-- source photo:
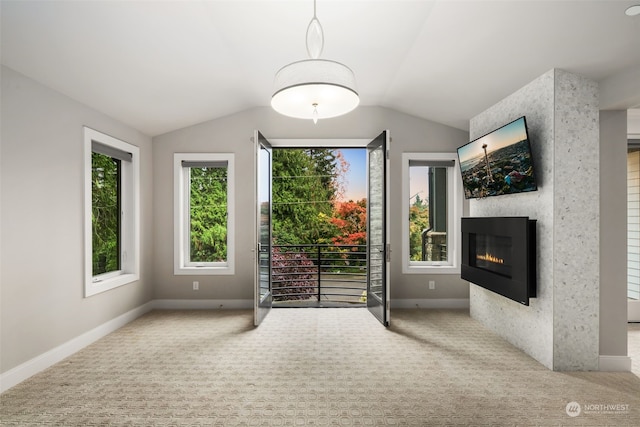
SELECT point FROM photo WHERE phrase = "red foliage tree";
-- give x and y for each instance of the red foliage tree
(350, 219)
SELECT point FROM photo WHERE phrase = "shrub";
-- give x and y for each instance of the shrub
(294, 276)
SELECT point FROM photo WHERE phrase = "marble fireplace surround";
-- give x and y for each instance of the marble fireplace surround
(560, 327)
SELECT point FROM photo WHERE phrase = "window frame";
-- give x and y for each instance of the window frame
(129, 210)
(181, 188)
(454, 213)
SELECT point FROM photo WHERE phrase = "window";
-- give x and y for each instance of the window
(204, 213)
(431, 207)
(112, 236)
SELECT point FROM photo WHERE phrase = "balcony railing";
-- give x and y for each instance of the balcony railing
(311, 274)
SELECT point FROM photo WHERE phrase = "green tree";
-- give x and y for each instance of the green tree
(208, 214)
(418, 222)
(105, 209)
(304, 188)
(419, 203)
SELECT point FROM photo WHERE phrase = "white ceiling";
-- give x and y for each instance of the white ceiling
(163, 65)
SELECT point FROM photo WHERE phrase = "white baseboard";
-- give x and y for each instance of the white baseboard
(202, 304)
(614, 364)
(244, 304)
(430, 303)
(39, 363)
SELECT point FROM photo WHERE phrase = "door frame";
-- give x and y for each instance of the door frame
(343, 143)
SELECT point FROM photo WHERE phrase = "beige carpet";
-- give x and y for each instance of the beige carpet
(319, 367)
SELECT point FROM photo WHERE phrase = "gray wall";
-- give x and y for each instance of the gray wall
(561, 326)
(42, 247)
(42, 206)
(232, 134)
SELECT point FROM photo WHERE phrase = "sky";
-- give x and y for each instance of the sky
(356, 185)
(356, 178)
(507, 135)
(418, 183)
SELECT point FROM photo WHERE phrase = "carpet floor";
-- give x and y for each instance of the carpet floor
(314, 367)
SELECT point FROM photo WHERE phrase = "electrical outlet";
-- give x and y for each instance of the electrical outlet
(432, 284)
(196, 286)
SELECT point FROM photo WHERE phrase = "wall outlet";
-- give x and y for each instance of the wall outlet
(432, 284)
(196, 286)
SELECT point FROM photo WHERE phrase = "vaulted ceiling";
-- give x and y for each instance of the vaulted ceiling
(163, 65)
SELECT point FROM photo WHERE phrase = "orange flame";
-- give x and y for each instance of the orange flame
(488, 257)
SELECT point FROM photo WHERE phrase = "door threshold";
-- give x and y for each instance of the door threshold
(318, 304)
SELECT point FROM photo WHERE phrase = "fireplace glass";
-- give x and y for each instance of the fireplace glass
(491, 252)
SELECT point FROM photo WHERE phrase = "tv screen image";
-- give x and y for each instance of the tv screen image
(498, 163)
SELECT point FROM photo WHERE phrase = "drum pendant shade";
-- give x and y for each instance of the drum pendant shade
(314, 88)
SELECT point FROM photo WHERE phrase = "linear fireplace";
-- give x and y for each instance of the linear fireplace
(499, 254)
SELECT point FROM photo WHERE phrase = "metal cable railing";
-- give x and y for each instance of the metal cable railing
(327, 272)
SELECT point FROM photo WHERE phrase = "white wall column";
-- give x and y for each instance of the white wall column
(561, 326)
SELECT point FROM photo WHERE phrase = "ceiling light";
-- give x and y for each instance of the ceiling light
(314, 88)
(633, 10)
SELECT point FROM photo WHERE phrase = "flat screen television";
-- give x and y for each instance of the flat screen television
(498, 163)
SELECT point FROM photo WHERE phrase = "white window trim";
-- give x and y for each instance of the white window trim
(130, 224)
(180, 206)
(454, 207)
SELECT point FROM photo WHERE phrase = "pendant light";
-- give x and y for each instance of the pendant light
(314, 88)
(633, 10)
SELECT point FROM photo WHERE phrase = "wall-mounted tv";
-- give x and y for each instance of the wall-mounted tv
(498, 163)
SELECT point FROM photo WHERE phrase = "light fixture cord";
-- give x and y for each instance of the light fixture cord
(315, 36)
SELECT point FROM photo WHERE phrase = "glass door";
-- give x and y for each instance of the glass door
(262, 291)
(378, 249)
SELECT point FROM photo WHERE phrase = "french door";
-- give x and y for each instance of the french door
(262, 287)
(378, 247)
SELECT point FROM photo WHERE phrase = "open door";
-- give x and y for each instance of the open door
(262, 290)
(378, 248)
